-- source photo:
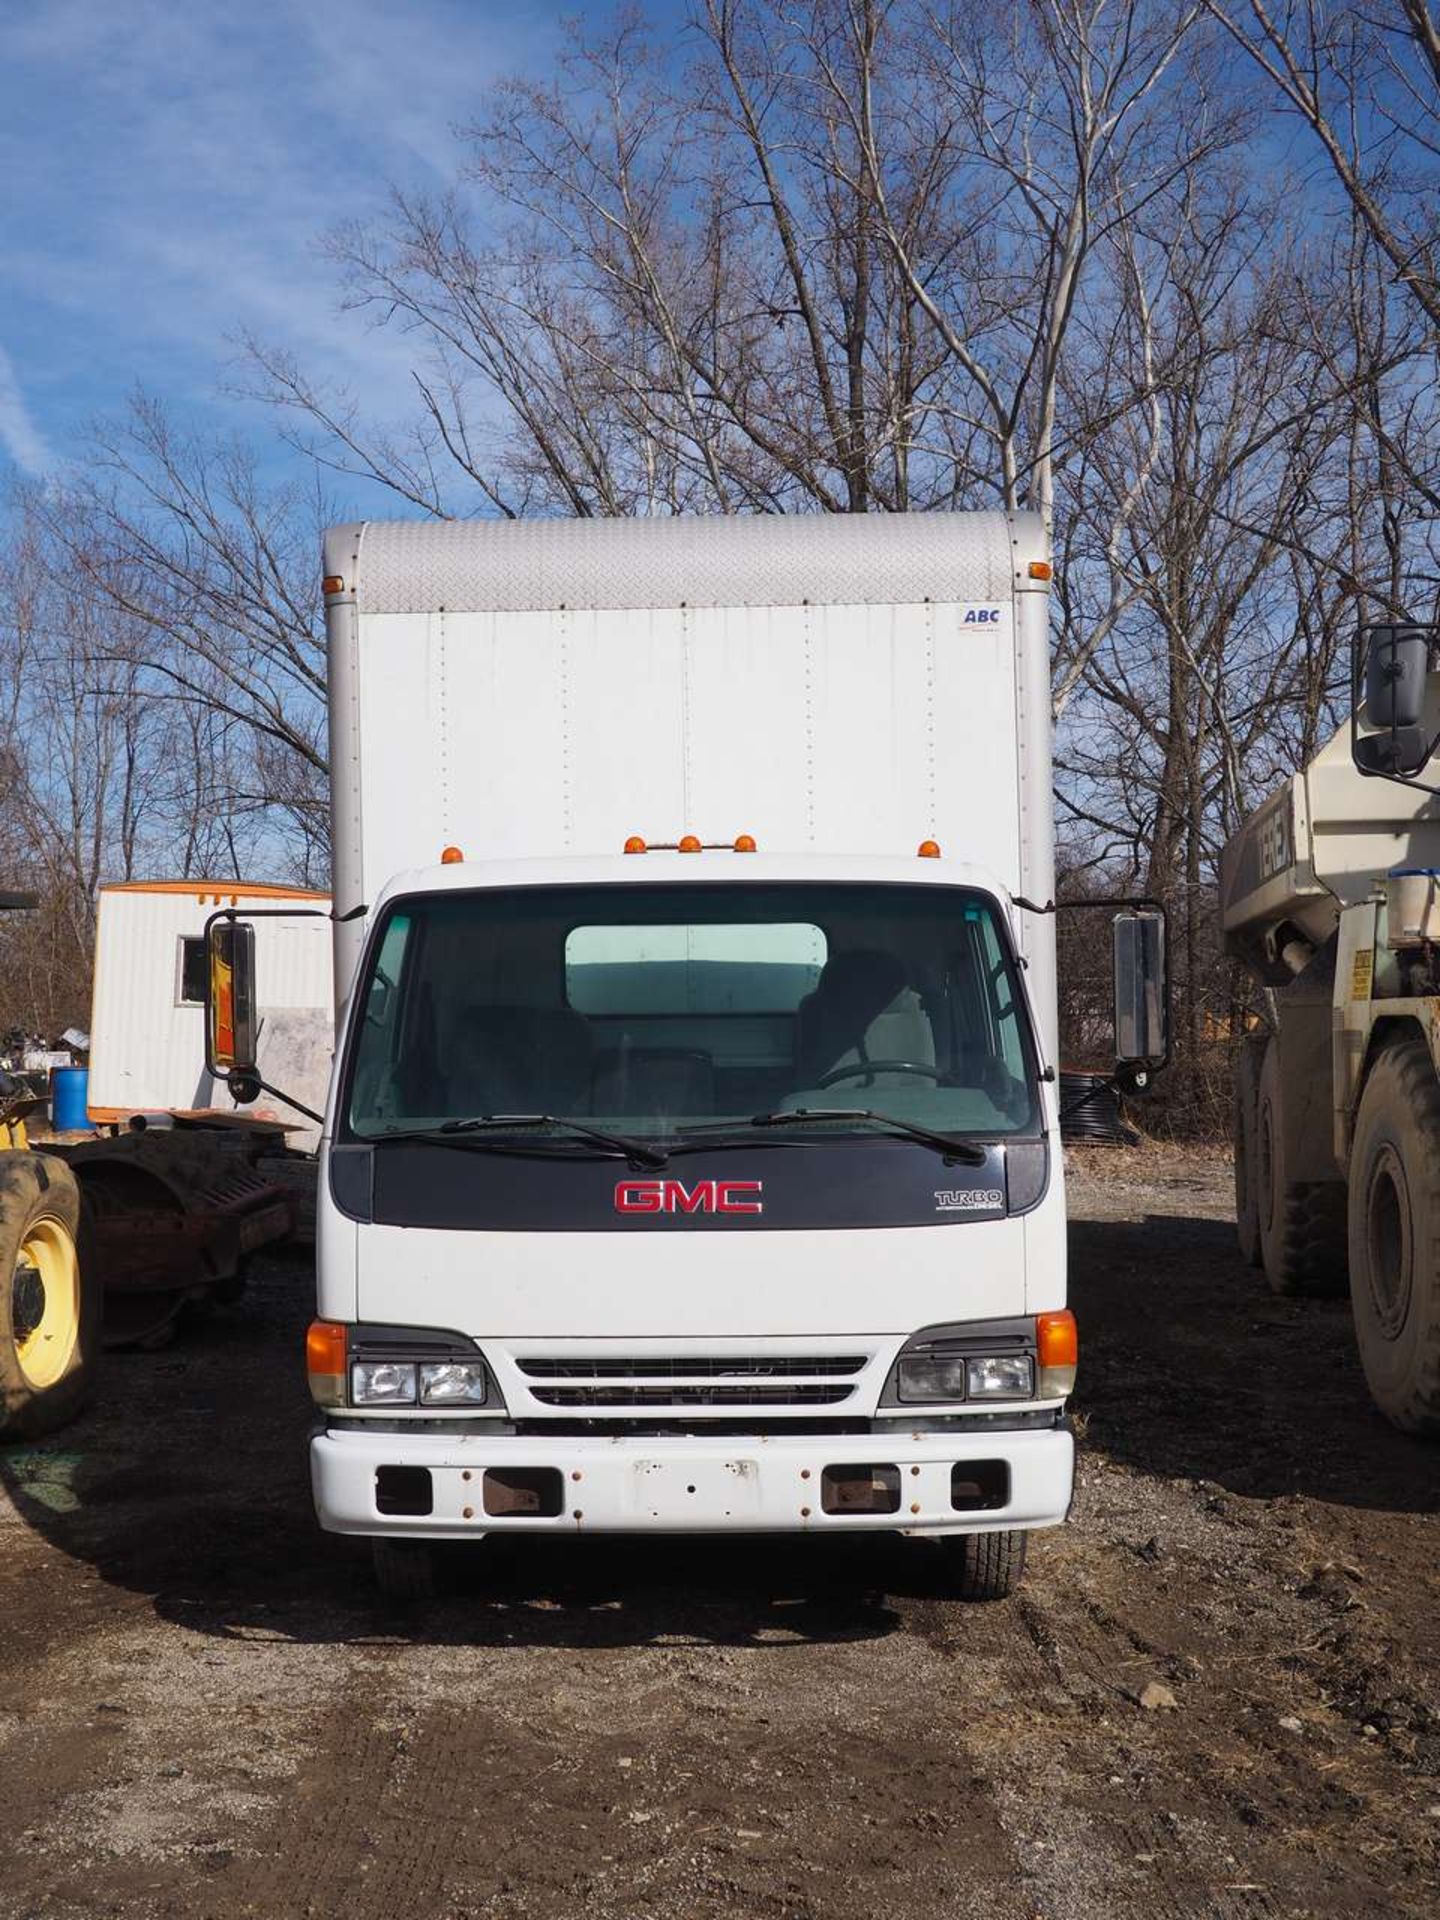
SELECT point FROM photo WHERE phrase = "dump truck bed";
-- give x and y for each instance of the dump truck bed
(1324, 840)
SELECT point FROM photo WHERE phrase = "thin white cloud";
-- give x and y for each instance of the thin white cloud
(19, 435)
(170, 170)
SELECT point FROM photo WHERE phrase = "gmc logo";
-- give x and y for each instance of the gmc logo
(673, 1196)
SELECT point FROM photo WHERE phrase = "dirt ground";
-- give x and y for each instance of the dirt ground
(207, 1711)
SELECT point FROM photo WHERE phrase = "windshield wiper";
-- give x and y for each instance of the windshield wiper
(477, 1126)
(965, 1151)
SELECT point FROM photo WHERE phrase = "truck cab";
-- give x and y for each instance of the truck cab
(724, 1186)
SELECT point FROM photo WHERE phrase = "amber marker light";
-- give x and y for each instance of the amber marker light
(928, 850)
(634, 844)
(1057, 1347)
(451, 857)
(332, 583)
(1040, 570)
(688, 843)
(744, 843)
(325, 1362)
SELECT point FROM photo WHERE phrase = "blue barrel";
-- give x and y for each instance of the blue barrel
(69, 1095)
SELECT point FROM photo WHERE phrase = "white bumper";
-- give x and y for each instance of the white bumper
(689, 1484)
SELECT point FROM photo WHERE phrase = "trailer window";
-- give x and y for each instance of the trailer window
(192, 970)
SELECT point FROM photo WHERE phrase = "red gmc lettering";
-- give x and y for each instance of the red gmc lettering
(673, 1196)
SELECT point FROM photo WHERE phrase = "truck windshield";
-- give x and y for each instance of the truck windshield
(648, 1009)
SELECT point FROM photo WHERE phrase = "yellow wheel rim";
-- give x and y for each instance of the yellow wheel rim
(45, 1304)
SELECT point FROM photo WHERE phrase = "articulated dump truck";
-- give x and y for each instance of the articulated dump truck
(1329, 899)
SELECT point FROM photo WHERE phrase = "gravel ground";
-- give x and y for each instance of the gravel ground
(1216, 1695)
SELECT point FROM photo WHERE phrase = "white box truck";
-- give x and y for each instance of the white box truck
(690, 1161)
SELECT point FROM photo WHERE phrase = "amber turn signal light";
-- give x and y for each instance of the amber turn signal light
(325, 1362)
(1057, 1347)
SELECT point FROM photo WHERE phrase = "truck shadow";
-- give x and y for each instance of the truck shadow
(237, 1555)
(1192, 1368)
(186, 1481)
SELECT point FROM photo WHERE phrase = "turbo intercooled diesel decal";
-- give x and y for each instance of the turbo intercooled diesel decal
(700, 1196)
(969, 1200)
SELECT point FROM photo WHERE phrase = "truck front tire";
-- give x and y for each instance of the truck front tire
(983, 1566)
(49, 1298)
(1395, 1236)
(405, 1569)
(1301, 1223)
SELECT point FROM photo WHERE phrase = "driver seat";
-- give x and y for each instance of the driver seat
(861, 1010)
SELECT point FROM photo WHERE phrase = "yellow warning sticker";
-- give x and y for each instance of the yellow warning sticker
(1361, 971)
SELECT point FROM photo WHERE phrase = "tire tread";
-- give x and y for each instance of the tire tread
(985, 1566)
(1407, 1064)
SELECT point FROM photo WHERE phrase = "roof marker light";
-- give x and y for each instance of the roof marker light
(688, 843)
(745, 843)
(451, 857)
(332, 583)
(1040, 570)
(634, 844)
(928, 850)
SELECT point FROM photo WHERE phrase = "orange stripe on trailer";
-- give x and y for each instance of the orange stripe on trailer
(217, 889)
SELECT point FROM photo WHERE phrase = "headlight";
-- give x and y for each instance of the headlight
(1000, 1376)
(451, 1383)
(931, 1376)
(942, 1376)
(382, 1383)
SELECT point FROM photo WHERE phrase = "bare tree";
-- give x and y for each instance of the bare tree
(207, 580)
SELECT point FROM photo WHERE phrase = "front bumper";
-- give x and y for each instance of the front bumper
(627, 1483)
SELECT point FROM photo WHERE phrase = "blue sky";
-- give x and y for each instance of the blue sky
(168, 167)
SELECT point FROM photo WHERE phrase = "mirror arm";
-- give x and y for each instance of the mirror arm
(1108, 904)
(253, 1080)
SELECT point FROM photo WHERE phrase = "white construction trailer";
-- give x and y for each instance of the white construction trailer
(147, 1049)
(690, 1161)
(1330, 896)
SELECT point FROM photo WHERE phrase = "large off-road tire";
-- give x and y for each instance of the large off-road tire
(983, 1566)
(1247, 1172)
(1301, 1223)
(1395, 1236)
(49, 1303)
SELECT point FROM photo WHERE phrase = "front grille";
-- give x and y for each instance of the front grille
(679, 1394)
(694, 1367)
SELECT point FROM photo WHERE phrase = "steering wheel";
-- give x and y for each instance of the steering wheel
(863, 1067)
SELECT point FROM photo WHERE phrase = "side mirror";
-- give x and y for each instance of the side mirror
(230, 1026)
(1142, 997)
(1395, 661)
